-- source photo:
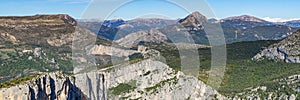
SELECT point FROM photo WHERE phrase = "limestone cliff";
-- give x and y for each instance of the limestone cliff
(147, 79)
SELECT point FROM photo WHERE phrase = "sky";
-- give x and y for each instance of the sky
(272, 10)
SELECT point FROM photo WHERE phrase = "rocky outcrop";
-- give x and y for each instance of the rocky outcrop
(287, 50)
(143, 80)
(8, 37)
(133, 39)
(109, 50)
(276, 53)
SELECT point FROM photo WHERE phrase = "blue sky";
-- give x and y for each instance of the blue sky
(285, 9)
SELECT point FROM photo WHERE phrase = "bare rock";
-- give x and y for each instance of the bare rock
(287, 50)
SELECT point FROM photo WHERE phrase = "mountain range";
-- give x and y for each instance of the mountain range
(236, 29)
(137, 59)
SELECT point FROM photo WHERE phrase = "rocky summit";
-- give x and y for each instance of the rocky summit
(287, 50)
(194, 20)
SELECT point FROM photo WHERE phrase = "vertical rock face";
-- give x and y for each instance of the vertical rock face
(92, 84)
(52, 86)
(287, 50)
(144, 80)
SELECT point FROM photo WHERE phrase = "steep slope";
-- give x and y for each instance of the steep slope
(93, 26)
(144, 80)
(31, 41)
(36, 29)
(287, 50)
(40, 43)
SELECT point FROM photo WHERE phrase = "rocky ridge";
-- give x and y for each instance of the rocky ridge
(287, 50)
(245, 18)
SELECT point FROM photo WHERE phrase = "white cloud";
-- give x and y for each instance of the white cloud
(279, 19)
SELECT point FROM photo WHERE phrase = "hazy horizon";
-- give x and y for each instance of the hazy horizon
(277, 11)
(155, 17)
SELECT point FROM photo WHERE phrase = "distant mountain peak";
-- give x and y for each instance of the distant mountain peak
(194, 20)
(245, 18)
(197, 16)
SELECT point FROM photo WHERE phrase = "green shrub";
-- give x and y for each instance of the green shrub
(136, 56)
(123, 87)
(17, 81)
